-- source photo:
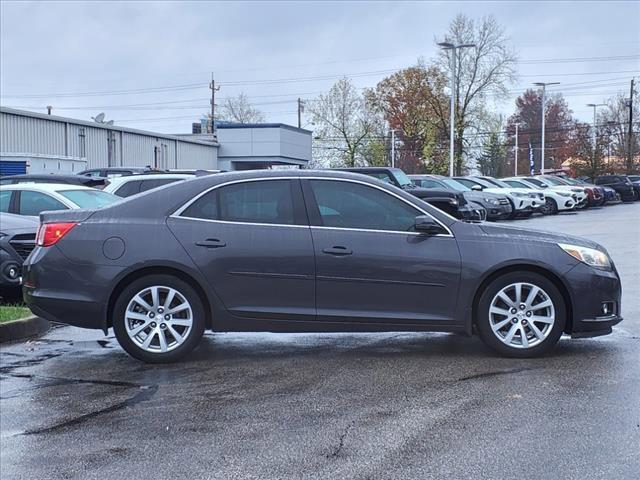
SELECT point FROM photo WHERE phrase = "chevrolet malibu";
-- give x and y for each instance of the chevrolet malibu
(305, 251)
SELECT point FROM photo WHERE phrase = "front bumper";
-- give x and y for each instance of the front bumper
(472, 213)
(498, 212)
(590, 288)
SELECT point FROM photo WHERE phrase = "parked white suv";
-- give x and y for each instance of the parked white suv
(556, 201)
(135, 184)
(524, 202)
(546, 182)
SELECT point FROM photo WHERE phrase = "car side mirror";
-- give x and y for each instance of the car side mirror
(476, 188)
(427, 225)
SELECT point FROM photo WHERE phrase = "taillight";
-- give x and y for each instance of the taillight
(50, 233)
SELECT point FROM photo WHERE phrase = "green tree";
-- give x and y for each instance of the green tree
(493, 159)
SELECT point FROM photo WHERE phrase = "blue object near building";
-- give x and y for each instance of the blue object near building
(13, 167)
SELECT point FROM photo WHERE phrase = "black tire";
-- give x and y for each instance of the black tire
(193, 337)
(551, 206)
(482, 317)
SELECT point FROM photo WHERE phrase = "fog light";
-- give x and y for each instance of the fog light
(606, 308)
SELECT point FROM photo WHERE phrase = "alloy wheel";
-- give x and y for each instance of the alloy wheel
(521, 315)
(158, 319)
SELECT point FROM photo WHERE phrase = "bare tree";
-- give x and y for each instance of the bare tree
(613, 122)
(481, 71)
(343, 124)
(238, 109)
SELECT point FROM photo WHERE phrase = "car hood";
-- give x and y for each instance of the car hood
(516, 233)
(480, 196)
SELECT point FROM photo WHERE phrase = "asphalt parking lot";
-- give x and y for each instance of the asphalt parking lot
(369, 406)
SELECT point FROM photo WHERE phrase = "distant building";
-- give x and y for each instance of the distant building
(47, 143)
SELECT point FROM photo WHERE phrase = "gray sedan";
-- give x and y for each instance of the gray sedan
(292, 251)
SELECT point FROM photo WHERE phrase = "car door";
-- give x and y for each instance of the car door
(370, 266)
(252, 241)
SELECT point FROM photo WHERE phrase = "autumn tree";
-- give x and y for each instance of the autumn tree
(343, 125)
(483, 71)
(560, 143)
(408, 101)
(239, 109)
(588, 159)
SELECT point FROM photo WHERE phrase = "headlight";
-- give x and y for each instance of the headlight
(518, 194)
(492, 201)
(2, 234)
(590, 256)
(453, 201)
(564, 194)
(533, 195)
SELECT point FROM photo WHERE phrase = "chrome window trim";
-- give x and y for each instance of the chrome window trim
(178, 212)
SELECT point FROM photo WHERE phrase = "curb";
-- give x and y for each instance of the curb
(26, 327)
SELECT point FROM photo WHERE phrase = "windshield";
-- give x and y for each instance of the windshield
(402, 178)
(536, 182)
(573, 181)
(483, 182)
(517, 184)
(499, 183)
(89, 198)
(457, 186)
(555, 181)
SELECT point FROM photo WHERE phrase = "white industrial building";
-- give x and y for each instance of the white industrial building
(47, 143)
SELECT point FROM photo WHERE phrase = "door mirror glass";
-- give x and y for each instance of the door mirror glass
(427, 225)
(476, 188)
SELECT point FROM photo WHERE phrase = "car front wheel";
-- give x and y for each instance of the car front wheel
(158, 319)
(521, 314)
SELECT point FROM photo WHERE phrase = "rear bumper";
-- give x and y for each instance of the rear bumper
(61, 291)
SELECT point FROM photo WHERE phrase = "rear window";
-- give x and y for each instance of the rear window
(89, 198)
(151, 184)
(128, 189)
(5, 201)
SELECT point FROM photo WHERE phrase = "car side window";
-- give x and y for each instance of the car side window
(128, 189)
(5, 201)
(353, 205)
(32, 203)
(384, 176)
(267, 201)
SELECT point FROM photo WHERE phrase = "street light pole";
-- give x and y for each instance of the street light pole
(595, 140)
(515, 161)
(393, 148)
(453, 48)
(543, 85)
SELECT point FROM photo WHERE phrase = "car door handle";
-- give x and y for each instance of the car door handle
(338, 250)
(211, 243)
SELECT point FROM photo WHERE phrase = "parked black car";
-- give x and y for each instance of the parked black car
(93, 182)
(446, 200)
(311, 251)
(620, 183)
(17, 239)
(498, 207)
(635, 181)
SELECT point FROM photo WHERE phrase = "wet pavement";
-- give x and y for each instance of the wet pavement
(368, 406)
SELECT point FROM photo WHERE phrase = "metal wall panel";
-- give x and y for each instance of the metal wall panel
(100, 146)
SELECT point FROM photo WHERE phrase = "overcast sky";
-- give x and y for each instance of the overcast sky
(102, 49)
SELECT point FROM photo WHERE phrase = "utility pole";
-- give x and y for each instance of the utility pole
(594, 139)
(452, 115)
(543, 85)
(393, 148)
(300, 111)
(515, 161)
(630, 135)
(214, 89)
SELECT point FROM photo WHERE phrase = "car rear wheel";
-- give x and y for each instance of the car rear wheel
(521, 314)
(158, 319)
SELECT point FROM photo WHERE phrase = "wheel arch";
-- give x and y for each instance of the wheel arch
(545, 272)
(158, 270)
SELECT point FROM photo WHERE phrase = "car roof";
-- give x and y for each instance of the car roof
(45, 187)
